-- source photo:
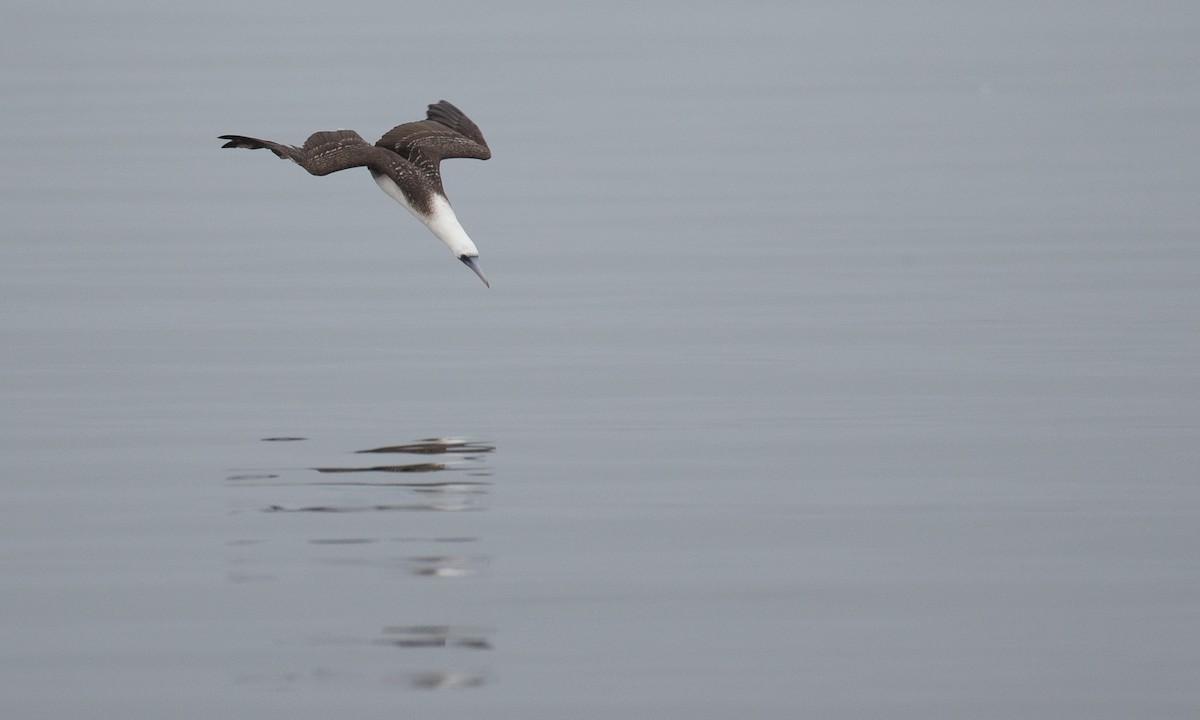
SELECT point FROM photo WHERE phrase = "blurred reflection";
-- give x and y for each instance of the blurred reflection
(435, 636)
(457, 483)
(438, 506)
(444, 566)
(435, 446)
(414, 467)
(439, 680)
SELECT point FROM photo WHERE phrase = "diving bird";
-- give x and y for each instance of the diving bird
(405, 164)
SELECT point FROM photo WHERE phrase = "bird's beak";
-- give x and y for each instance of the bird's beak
(469, 261)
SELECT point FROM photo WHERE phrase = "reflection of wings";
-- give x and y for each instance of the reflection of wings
(445, 133)
(323, 152)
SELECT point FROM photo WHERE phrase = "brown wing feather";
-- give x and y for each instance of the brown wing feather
(322, 153)
(445, 133)
(446, 114)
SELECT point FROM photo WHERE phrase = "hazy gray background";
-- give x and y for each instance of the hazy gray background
(840, 361)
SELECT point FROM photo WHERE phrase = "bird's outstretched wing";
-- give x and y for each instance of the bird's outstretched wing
(322, 153)
(445, 133)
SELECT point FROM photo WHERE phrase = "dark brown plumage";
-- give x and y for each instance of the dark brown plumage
(410, 153)
(405, 163)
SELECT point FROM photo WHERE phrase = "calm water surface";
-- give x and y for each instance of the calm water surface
(840, 361)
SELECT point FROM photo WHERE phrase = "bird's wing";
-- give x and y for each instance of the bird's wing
(445, 133)
(323, 152)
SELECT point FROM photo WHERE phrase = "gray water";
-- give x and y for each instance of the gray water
(840, 361)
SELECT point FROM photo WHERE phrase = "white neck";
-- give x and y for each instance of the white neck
(442, 221)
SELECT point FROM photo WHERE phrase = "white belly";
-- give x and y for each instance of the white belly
(442, 221)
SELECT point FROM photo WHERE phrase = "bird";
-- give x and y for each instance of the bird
(405, 164)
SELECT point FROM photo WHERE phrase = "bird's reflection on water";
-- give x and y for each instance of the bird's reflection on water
(403, 507)
(439, 680)
(436, 446)
(418, 636)
(411, 468)
(462, 483)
